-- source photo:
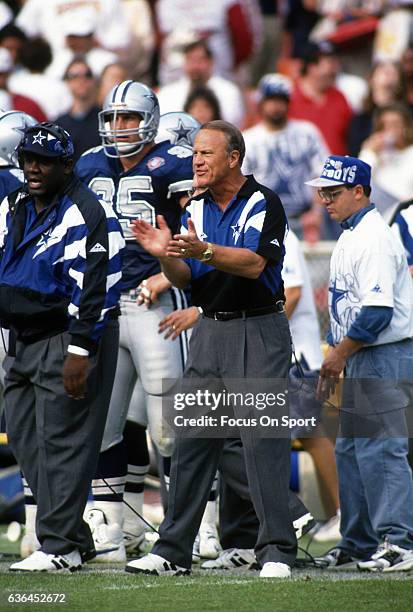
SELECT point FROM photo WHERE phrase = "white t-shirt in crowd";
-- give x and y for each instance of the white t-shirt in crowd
(304, 327)
(369, 268)
(48, 18)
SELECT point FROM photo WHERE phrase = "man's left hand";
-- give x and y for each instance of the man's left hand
(75, 371)
(332, 367)
(186, 245)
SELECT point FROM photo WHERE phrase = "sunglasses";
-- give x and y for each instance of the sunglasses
(79, 75)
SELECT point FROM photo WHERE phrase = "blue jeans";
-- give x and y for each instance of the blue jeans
(375, 480)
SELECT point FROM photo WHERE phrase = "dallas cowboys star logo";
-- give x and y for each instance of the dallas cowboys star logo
(181, 134)
(236, 231)
(38, 138)
(337, 295)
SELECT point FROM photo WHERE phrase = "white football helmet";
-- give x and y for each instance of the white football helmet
(179, 128)
(12, 128)
(128, 97)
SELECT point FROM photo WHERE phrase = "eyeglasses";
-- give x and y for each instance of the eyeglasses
(329, 196)
(79, 75)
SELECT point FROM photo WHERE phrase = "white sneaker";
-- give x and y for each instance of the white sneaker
(275, 570)
(388, 558)
(108, 538)
(29, 544)
(42, 562)
(303, 525)
(156, 566)
(329, 531)
(209, 546)
(233, 558)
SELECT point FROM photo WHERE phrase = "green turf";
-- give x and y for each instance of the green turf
(101, 588)
(99, 591)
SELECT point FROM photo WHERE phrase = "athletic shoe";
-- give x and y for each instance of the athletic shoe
(209, 546)
(42, 562)
(338, 559)
(156, 566)
(108, 538)
(388, 558)
(233, 558)
(303, 525)
(329, 531)
(275, 570)
(29, 544)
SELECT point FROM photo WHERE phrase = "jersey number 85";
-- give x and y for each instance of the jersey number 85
(128, 204)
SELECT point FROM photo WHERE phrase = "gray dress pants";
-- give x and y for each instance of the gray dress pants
(256, 347)
(55, 439)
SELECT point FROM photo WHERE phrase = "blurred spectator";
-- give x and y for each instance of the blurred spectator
(139, 15)
(282, 153)
(80, 40)
(46, 18)
(266, 57)
(203, 105)
(50, 94)
(406, 69)
(111, 76)
(385, 87)
(315, 97)
(389, 151)
(82, 119)
(13, 38)
(300, 17)
(10, 100)
(198, 70)
(231, 27)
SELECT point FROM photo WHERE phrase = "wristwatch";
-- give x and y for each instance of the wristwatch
(207, 254)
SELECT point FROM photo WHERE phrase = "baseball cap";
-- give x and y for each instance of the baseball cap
(311, 52)
(274, 84)
(48, 140)
(339, 170)
(79, 22)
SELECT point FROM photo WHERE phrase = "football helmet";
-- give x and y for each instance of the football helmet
(13, 125)
(179, 128)
(128, 97)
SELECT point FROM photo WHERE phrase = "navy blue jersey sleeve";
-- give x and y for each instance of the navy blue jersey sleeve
(266, 227)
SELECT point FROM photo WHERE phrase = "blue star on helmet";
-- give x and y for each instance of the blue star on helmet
(38, 138)
(336, 296)
(180, 134)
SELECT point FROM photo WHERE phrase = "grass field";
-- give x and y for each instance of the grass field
(100, 588)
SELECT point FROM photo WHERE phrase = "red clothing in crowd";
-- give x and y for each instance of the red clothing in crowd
(332, 116)
(27, 105)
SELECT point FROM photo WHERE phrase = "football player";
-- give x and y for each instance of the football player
(141, 179)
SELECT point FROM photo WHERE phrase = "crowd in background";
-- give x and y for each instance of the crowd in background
(350, 62)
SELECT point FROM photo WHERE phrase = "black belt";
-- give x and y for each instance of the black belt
(244, 314)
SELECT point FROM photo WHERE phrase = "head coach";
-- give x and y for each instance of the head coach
(231, 251)
(60, 272)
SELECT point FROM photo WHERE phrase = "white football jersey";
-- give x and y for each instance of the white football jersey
(304, 326)
(369, 268)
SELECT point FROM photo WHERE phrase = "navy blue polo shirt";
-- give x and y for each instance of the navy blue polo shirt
(255, 220)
